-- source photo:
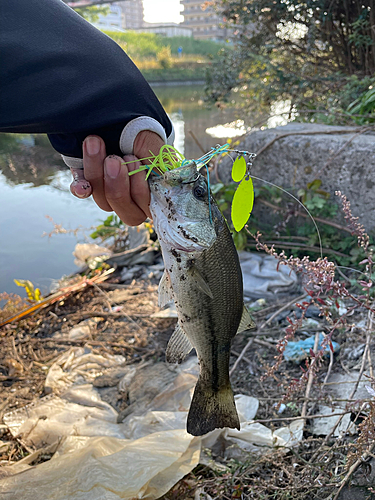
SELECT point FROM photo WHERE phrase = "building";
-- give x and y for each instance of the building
(125, 15)
(133, 13)
(114, 21)
(166, 29)
(205, 24)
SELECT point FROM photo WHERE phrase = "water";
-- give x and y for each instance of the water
(34, 183)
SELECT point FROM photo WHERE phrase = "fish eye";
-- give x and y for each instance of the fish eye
(200, 190)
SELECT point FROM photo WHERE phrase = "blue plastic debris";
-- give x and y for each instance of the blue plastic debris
(298, 351)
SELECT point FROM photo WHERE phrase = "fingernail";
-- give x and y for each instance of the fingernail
(92, 145)
(112, 167)
(81, 188)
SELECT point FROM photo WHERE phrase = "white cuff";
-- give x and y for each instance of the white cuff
(72, 162)
(127, 138)
(132, 129)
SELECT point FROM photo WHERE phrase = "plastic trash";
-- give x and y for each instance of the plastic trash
(298, 351)
(95, 457)
(83, 252)
(168, 312)
(323, 426)
(340, 388)
(263, 277)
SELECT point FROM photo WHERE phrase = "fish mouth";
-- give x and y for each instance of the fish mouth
(180, 236)
(180, 248)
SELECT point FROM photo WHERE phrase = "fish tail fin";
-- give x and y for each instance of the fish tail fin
(211, 409)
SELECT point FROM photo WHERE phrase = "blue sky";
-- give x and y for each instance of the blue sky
(162, 11)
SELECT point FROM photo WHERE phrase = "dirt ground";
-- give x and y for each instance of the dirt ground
(315, 469)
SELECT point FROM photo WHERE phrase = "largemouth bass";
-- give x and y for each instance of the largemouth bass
(203, 277)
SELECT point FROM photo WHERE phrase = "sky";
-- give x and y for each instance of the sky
(162, 11)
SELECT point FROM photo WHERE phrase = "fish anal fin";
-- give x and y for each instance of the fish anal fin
(200, 282)
(246, 323)
(165, 293)
(178, 346)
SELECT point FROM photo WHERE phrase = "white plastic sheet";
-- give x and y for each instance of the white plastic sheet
(264, 277)
(143, 457)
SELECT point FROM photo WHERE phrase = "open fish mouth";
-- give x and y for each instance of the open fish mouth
(179, 235)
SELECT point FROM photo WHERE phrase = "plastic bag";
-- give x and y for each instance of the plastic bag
(142, 457)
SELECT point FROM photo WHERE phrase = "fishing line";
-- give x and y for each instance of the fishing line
(209, 194)
(300, 203)
(355, 270)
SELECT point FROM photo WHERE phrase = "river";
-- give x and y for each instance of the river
(34, 185)
(34, 188)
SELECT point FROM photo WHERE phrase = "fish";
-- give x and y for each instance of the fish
(203, 277)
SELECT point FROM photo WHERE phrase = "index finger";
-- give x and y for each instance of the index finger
(117, 187)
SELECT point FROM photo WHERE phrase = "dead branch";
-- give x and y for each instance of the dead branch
(311, 375)
(263, 325)
(352, 469)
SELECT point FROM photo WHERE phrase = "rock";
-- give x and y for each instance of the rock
(295, 160)
(341, 385)
(354, 353)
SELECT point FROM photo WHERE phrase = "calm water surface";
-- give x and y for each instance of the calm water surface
(34, 184)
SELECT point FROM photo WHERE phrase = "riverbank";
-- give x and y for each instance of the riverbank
(168, 59)
(75, 374)
(34, 183)
(176, 83)
(176, 75)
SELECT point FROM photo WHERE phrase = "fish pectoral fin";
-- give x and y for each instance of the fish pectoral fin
(178, 346)
(165, 293)
(246, 323)
(200, 282)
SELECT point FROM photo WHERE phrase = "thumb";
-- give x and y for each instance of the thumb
(147, 143)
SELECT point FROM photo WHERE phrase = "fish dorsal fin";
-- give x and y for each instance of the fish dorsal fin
(165, 293)
(178, 346)
(200, 282)
(246, 323)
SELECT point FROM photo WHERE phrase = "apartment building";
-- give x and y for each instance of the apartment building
(205, 24)
(133, 13)
(123, 15)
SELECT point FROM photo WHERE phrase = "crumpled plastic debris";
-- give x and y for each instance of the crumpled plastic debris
(323, 426)
(263, 277)
(340, 387)
(82, 330)
(83, 252)
(142, 457)
(169, 312)
(298, 351)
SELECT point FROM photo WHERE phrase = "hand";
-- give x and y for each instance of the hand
(107, 179)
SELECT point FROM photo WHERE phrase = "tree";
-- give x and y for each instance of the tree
(92, 12)
(305, 51)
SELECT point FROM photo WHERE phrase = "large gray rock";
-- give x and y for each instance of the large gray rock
(325, 154)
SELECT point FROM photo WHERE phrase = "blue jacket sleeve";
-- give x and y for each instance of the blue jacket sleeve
(61, 76)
